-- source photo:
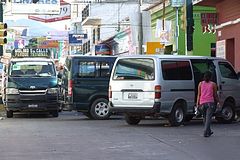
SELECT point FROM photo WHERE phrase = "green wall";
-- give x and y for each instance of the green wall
(201, 42)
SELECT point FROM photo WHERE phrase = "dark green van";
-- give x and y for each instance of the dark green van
(85, 82)
(30, 83)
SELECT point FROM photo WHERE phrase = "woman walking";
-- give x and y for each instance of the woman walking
(207, 99)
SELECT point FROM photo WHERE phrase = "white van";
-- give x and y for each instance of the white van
(166, 85)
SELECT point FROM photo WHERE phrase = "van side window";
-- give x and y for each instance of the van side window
(176, 70)
(227, 71)
(87, 69)
(103, 69)
(93, 69)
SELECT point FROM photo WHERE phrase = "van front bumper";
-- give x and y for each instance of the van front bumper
(36, 103)
(145, 110)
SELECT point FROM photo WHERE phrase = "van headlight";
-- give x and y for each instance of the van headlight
(52, 90)
(12, 91)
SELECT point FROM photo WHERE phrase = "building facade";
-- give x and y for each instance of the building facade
(203, 40)
(227, 28)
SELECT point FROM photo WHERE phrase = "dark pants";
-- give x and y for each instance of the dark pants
(207, 110)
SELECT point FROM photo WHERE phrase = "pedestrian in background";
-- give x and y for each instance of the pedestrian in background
(206, 101)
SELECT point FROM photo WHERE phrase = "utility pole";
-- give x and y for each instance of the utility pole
(1, 20)
(140, 27)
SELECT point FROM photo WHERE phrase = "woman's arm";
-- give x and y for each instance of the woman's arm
(199, 94)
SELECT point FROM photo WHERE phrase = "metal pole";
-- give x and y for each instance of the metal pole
(177, 29)
(1, 20)
(140, 36)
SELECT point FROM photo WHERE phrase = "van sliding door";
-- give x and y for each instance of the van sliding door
(200, 66)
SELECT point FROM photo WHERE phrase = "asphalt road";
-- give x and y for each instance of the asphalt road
(74, 137)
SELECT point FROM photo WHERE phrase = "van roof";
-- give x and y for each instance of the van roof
(171, 57)
(31, 59)
(88, 56)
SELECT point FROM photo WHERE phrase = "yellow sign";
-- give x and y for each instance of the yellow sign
(154, 47)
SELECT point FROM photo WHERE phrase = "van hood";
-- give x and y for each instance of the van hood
(32, 82)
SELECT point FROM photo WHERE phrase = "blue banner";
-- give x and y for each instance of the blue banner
(76, 38)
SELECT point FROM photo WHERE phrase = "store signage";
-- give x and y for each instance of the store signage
(177, 3)
(209, 22)
(65, 13)
(48, 44)
(30, 52)
(221, 49)
(103, 49)
(41, 7)
(76, 38)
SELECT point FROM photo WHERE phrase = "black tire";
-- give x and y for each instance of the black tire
(188, 118)
(177, 115)
(227, 113)
(87, 114)
(132, 120)
(55, 113)
(100, 109)
(9, 114)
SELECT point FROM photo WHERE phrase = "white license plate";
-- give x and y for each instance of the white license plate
(132, 96)
(32, 106)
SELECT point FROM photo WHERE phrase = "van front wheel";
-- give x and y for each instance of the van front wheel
(132, 120)
(177, 115)
(100, 109)
(227, 113)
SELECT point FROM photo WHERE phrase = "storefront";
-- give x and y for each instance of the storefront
(204, 40)
(227, 28)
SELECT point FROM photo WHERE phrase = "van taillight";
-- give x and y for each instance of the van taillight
(157, 92)
(70, 86)
(110, 92)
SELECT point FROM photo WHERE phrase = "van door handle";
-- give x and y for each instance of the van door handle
(223, 82)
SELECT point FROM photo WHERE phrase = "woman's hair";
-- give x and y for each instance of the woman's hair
(207, 76)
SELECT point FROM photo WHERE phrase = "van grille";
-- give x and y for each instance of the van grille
(32, 92)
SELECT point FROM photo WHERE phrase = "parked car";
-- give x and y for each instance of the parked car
(167, 86)
(85, 82)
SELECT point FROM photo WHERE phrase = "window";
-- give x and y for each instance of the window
(33, 68)
(87, 69)
(200, 66)
(176, 70)
(93, 69)
(93, 36)
(134, 69)
(227, 71)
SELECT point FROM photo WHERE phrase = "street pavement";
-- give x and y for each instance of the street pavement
(72, 136)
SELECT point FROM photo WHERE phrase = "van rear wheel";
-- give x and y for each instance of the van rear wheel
(177, 115)
(132, 120)
(100, 109)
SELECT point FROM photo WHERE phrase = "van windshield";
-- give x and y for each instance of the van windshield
(32, 69)
(134, 69)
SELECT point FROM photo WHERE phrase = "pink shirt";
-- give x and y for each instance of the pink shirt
(207, 94)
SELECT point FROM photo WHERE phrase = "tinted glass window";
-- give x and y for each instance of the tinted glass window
(93, 69)
(176, 70)
(200, 67)
(134, 69)
(87, 69)
(227, 71)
